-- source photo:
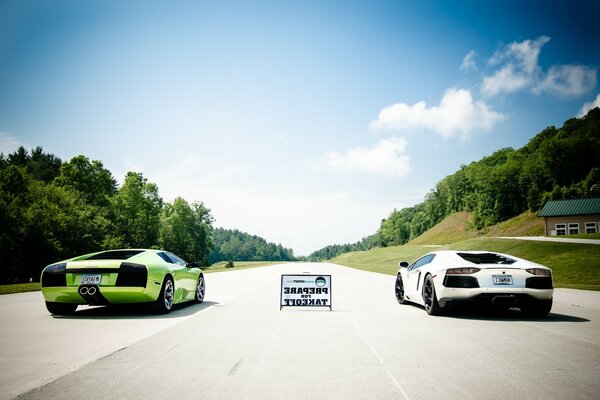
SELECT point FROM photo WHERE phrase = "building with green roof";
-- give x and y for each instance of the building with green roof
(571, 217)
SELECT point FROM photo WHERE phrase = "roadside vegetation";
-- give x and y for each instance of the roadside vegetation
(19, 287)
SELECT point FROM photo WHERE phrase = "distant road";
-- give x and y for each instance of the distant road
(239, 345)
(552, 239)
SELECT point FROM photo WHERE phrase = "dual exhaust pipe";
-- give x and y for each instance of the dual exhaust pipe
(91, 294)
(85, 290)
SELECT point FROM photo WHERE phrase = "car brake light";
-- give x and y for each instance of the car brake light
(539, 271)
(462, 271)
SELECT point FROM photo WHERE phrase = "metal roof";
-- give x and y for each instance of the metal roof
(558, 208)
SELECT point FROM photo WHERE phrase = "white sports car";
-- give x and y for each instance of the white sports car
(442, 278)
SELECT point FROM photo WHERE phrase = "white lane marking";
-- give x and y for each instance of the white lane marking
(360, 332)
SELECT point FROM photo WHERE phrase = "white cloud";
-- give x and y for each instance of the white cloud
(518, 69)
(385, 158)
(518, 64)
(469, 61)
(9, 144)
(528, 52)
(457, 114)
(588, 106)
(504, 80)
(568, 80)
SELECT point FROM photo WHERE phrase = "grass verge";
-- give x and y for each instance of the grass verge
(19, 287)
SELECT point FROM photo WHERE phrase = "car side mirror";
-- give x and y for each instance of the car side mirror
(195, 264)
(403, 264)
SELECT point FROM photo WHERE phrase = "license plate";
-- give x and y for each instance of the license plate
(502, 279)
(91, 279)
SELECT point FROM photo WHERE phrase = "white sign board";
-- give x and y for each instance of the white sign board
(305, 291)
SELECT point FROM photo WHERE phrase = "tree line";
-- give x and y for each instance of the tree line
(558, 163)
(233, 245)
(334, 250)
(52, 210)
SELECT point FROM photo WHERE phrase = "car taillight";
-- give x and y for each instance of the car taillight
(54, 275)
(462, 271)
(539, 271)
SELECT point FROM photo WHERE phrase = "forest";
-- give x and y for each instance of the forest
(52, 210)
(233, 245)
(558, 163)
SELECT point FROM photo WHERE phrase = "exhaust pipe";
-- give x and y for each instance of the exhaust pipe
(92, 295)
(84, 290)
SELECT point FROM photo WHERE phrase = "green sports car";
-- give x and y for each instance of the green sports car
(155, 277)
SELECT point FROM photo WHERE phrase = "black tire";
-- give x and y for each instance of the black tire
(430, 298)
(200, 289)
(537, 308)
(164, 303)
(61, 308)
(399, 290)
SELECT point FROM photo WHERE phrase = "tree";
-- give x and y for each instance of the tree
(136, 207)
(185, 230)
(89, 178)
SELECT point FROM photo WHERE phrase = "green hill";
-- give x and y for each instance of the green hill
(558, 163)
(453, 228)
(459, 226)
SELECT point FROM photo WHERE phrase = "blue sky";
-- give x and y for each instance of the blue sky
(305, 122)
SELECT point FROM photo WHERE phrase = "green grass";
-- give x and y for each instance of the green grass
(454, 228)
(383, 259)
(19, 287)
(584, 236)
(459, 226)
(574, 266)
(526, 224)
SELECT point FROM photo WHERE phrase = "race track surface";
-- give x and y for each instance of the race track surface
(239, 345)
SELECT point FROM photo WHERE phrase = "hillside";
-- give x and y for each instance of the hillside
(453, 228)
(526, 224)
(557, 163)
(459, 226)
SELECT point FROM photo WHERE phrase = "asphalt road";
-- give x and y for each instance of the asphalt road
(239, 345)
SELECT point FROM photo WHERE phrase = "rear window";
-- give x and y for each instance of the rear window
(115, 255)
(486, 258)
